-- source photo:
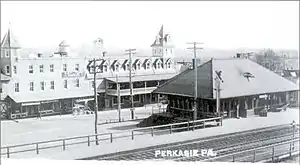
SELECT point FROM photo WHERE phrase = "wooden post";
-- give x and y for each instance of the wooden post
(152, 131)
(229, 108)
(89, 141)
(7, 152)
(132, 135)
(37, 148)
(287, 98)
(64, 145)
(273, 154)
(246, 103)
(254, 156)
(119, 98)
(111, 137)
(95, 101)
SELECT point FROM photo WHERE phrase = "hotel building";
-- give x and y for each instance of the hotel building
(50, 84)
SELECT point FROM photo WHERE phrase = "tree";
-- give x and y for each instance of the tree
(269, 59)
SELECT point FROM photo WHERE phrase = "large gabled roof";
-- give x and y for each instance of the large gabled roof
(235, 82)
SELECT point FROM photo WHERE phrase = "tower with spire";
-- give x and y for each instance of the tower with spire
(162, 46)
(9, 51)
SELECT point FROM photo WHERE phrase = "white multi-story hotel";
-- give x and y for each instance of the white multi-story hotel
(52, 83)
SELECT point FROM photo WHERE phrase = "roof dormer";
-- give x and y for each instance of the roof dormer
(158, 63)
(116, 66)
(168, 63)
(125, 65)
(137, 64)
(147, 64)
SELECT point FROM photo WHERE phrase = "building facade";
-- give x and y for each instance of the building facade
(147, 74)
(37, 83)
(246, 87)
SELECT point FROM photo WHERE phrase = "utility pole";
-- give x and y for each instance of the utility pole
(119, 98)
(92, 70)
(95, 100)
(195, 48)
(130, 52)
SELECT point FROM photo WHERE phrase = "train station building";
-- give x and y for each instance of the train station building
(246, 86)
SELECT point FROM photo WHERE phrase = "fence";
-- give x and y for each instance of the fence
(265, 153)
(88, 139)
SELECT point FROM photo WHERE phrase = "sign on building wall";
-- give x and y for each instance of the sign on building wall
(72, 74)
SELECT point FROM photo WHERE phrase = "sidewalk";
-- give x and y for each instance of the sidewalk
(54, 127)
(229, 126)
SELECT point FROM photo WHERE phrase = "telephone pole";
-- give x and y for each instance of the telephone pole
(92, 64)
(195, 48)
(130, 52)
(95, 100)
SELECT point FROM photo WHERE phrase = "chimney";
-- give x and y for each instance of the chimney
(238, 55)
(40, 55)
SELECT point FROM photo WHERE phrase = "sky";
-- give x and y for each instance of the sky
(133, 24)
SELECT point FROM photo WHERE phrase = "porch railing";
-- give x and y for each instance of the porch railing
(109, 137)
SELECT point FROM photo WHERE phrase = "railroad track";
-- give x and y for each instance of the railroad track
(222, 144)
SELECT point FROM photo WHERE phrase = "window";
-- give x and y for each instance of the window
(148, 66)
(169, 65)
(51, 68)
(117, 68)
(17, 87)
(7, 69)
(158, 65)
(115, 100)
(105, 68)
(41, 68)
(31, 86)
(31, 69)
(138, 66)
(65, 84)
(42, 85)
(77, 67)
(1, 90)
(52, 85)
(77, 82)
(136, 98)
(93, 84)
(15, 69)
(65, 67)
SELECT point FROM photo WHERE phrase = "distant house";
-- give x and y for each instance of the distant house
(245, 84)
